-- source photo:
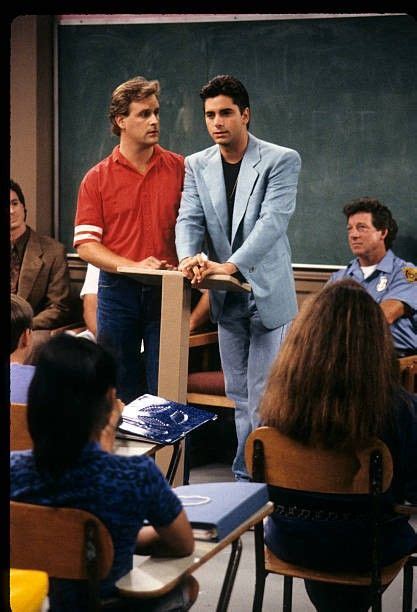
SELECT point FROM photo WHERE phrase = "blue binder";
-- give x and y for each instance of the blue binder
(155, 419)
(215, 509)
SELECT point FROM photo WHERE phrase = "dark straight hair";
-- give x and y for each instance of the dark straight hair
(67, 401)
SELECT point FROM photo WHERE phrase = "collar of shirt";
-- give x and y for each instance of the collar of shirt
(118, 157)
(385, 265)
(21, 242)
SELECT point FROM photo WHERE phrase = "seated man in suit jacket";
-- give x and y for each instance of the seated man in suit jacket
(38, 269)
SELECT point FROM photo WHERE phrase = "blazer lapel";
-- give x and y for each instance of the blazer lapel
(31, 266)
(213, 177)
(245, 184)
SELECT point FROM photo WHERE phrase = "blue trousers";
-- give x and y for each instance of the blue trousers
(127, 314)
(247, 351)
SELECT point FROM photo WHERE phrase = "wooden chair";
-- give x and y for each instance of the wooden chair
(281, 462)
(19, 434)
(205, 386)
(408, 371)
(64, 543)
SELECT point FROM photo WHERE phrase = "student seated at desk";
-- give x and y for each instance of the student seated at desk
(72, 415)
(335, 385)
(21, 321)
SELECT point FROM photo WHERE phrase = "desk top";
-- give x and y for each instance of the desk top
(153, 576)
(220, 282)
(130, 448)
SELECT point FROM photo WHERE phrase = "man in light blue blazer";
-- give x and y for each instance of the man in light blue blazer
(238, 198)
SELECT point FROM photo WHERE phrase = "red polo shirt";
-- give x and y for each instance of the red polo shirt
(132, 214)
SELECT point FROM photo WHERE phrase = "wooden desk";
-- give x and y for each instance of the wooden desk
(131, 448)
(152, 576)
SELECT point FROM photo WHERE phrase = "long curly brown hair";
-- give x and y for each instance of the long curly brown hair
(333, 381)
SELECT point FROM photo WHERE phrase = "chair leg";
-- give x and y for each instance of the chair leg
(407, 586)
(260, 571)
(230, 576)
(287, 602)
(259, 591)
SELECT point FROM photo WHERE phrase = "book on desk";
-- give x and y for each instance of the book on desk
(215, 509)
(155, 419)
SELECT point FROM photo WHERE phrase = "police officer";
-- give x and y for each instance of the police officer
(391, 281)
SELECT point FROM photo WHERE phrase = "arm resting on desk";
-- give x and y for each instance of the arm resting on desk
(173, 540)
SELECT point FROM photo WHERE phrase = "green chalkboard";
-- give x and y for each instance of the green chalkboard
(341, 91)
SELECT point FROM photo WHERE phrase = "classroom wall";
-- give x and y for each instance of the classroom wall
(32, 116)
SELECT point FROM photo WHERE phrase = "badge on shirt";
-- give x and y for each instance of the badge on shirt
(410, 274)
(382, 283)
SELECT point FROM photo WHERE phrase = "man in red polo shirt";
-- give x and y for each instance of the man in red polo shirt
(126, 213)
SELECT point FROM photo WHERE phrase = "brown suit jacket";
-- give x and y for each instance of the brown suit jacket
(44, 281)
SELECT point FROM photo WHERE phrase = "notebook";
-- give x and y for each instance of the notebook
(215, 509)
(155, 419)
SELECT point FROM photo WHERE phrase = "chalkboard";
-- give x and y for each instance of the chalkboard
(341, 91)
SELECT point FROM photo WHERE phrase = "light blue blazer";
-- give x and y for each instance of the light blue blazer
(264, 202)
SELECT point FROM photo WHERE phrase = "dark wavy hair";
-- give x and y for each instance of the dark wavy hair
(226, 85)
(381, 216)
(67, 401)
(333, 382)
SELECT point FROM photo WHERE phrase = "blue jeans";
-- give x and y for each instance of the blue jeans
(129, 312)
(247, 351)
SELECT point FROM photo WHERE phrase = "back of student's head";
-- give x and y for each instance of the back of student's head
(68, 403)
(333, 382)
(21, 319)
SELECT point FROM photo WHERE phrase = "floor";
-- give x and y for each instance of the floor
(210, 576)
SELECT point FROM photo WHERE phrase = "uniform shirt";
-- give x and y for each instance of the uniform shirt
(393, 279)
(130, 213)
(121, 491)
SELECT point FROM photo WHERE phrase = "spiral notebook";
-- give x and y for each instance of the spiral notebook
(155, 419)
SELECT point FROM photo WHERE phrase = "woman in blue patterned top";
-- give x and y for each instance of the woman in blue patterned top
(72, 415)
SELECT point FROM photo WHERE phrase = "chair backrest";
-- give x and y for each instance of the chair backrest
(289, 464)
(64, 542)
(19, 434)
(408, 370)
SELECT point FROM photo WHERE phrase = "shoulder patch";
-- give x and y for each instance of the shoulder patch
(410, 274)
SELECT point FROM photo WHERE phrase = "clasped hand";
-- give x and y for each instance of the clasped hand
(196, 268)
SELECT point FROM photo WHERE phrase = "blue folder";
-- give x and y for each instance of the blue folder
(156, 419)
(215, 509)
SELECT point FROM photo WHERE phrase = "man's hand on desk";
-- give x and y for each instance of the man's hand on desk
(155, 264)
(198, 267)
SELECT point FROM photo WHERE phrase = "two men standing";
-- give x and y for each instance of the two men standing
(238, 198)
